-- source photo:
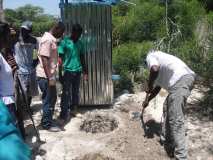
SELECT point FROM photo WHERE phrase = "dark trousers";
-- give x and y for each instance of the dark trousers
(17, 119)
(12, 109)
(49, 96)
(70, 92)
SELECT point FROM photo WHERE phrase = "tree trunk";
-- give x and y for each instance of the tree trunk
(1, 11)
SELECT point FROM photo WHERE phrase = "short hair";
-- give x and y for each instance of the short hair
(77, 28)
(60, 25)
(4, 29)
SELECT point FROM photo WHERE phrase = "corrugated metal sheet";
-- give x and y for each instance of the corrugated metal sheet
(104, 2)
(96, 21)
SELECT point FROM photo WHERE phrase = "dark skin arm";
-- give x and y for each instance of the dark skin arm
(10, 59)
(154, 71)
(152, 77)
(60, 67)
(45, 62)
(151, 95)
(85, 71)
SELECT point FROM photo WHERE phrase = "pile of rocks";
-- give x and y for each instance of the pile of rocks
(96, 156)
(98, 123)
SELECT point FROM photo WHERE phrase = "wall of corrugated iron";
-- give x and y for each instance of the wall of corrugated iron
(96, 21)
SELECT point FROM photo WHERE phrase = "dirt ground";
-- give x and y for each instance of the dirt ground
(116, 132)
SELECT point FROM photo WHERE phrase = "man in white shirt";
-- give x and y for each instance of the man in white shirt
(172, 74)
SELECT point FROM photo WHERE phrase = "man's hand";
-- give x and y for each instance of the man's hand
(12, 62)
(60, 62)
(148, 90)
(85, 77)
(52, 81)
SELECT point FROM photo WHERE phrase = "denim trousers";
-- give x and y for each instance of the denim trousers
(49, 96)
(70, 92)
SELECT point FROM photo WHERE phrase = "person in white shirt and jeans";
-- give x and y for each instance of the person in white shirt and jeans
(172, 74)
(6, 74)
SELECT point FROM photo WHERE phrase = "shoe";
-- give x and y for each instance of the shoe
(54, 129)
(74, 111)
(169, 150)
(162, 140)
(61, 122)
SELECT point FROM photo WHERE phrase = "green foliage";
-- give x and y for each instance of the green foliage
(124, 83)
(136, 29)
(128, 57)
(145, 21)
(29, 12)
(138, 23)
(208, 4)
(189, 52)
(185, 14)
(41, 22)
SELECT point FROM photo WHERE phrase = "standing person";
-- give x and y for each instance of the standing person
(46, 74)
(8, 68)
(6, 72)
(71, 52)
(24, 49)
(172, 74)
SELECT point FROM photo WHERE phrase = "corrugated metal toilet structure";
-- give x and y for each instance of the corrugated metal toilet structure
(95, 18)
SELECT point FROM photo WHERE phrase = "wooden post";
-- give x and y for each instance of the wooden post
(1, 11)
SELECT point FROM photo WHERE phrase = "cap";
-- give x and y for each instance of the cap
(27, 25)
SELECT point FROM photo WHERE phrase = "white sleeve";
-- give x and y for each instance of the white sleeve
(1, 61)
(151, 61)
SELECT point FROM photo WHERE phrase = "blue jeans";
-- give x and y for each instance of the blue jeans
(49, 97)
(71, 83)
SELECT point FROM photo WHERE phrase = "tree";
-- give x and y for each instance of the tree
(11, 17)
(41, 22)
(29, 12)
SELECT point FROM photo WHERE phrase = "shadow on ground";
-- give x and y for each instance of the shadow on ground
(202, 108)
(152, 129)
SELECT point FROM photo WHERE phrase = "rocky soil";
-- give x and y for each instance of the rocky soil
(116, 132)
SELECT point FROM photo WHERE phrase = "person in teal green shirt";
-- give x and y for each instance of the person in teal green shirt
(12, 146)
(71, 53)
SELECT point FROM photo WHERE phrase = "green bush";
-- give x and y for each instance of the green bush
(127, 60)
(124, 83)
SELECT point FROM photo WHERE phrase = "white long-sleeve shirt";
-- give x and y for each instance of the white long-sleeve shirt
(6, 82)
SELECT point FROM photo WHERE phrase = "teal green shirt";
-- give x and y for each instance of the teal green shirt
(71, 54)
(12, 146)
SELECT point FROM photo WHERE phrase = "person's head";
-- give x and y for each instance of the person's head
(4, 35)
(58, 30)
(26, 29)
(76, 32)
